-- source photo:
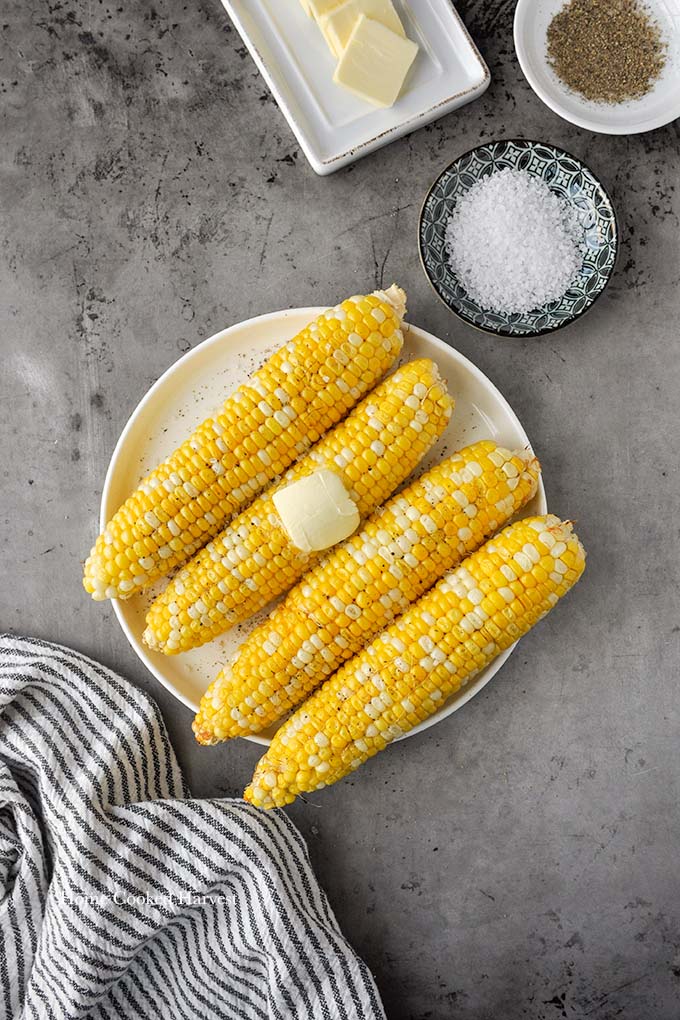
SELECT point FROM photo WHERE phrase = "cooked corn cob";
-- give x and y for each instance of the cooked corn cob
(408, 672)
(286, 406)
(254, 560)
(361, 585)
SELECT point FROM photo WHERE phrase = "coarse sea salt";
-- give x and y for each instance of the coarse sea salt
(513, 244)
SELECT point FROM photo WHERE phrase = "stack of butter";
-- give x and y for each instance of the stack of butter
(368, 40)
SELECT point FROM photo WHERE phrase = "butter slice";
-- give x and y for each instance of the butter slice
(320, 7)
(338, 24)
(375, 62)
(316, 511)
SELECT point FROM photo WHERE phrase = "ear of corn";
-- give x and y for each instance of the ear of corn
(363, 584)
(286, 406)
(254, 560)
(409, 671)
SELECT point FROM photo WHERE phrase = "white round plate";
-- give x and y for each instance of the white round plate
(195, 386)
(660, 106)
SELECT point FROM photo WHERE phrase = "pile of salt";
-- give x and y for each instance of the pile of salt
(514, 245)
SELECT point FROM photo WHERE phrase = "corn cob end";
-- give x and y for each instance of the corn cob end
(273, 785)
(532, 466)
(257, 793)
(202, 725)
(151, 642)
(94, 580)
(221, 715)
(394, 296)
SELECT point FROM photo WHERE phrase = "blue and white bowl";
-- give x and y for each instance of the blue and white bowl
(568, 178)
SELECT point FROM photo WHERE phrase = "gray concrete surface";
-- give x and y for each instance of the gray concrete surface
(520, 860)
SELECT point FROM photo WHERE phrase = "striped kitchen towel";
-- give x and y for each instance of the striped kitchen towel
(122, 897)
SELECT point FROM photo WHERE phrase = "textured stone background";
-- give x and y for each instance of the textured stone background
(520, 860)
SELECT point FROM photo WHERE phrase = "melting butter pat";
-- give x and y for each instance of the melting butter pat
(316, 511)
(375, 62)
(338, 24)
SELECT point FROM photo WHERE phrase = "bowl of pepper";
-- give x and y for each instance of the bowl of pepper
(518, 238)
(611, 66)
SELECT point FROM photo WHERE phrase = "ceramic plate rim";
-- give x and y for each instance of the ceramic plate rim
(551, 98)
(222, 337)
(539, 332)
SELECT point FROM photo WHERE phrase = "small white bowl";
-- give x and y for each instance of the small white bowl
(660, 106)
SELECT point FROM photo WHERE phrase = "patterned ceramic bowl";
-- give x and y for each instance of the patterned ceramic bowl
(569, 178)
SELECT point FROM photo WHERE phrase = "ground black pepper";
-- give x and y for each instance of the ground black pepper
(607, 50)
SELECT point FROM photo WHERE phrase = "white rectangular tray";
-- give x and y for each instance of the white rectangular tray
(333, 126)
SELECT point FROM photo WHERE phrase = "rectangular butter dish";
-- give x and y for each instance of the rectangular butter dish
(333, 126)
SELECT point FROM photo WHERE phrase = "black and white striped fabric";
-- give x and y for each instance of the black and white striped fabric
(120, 896)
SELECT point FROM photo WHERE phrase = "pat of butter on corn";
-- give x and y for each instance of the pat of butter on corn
(375, 62)
(316, 511)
